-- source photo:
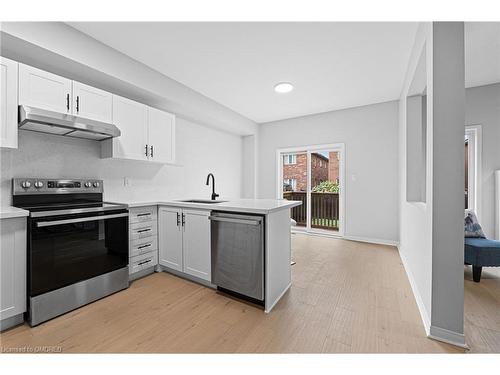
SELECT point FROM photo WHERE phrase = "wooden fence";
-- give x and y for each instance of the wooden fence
(324, 209)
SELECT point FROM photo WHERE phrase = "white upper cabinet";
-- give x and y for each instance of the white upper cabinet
(8, 103)
(132, 120)
(92, 103)
(45, 90)
(147, 133)
(161, 136)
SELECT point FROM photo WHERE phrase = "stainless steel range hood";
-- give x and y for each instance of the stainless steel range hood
(43, 121)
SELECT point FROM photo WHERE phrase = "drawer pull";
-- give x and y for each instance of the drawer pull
(143, 230)
(146, 214)
(143, 246)
(146, 261)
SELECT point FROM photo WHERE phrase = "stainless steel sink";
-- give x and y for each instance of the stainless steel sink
(204, 201)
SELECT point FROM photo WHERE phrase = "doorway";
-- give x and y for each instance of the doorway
(473, 168)
(314, 175)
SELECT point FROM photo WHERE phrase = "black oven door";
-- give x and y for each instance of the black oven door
(66, 249)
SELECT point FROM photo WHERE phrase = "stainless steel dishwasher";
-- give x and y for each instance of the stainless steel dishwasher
(238, 253)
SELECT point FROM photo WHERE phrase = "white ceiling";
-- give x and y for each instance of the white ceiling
(332, 65)
(482, 53)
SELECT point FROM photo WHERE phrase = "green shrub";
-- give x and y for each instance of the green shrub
(326, 187)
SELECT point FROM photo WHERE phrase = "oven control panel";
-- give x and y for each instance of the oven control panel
(30, 185)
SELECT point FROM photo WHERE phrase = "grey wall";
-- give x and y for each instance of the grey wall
(431, 233)
(482, 107)
(448, 177)
(200, 150)
(371, 144)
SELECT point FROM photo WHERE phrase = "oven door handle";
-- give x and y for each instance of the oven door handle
(79, 220)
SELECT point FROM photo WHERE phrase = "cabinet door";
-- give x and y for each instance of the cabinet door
(170, 237)
(45, 90)
(196, 243)
(12, 267)
(92, 103)
(132, 120)
(161, 135)
(8, 103)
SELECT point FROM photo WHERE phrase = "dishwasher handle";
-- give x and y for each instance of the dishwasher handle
(234, 220)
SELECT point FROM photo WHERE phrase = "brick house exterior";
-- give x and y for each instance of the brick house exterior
(296, 170)
(319, 169)
(322, 168)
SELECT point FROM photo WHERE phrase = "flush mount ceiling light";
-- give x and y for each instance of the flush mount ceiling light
(283, 87)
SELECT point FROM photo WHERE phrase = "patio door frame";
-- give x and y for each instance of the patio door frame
(309, 150)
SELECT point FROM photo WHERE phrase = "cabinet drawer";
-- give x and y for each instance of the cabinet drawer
(142, 214)
(143, 246)
(142, 230)
(142, 262)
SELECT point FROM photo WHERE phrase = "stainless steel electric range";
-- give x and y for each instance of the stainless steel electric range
(77, 244)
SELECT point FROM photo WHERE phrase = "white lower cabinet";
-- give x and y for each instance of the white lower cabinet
(12, 268)
(143, 241)
(170, 237)
(184, 241)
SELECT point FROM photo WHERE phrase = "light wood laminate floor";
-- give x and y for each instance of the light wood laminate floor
(346, 297)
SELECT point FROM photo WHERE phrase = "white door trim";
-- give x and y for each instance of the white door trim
(340, 147)
(475, 168)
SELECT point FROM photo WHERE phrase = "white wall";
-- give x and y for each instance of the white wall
(415, 225)
(249, 166)
(200, 150)
(371, 143)
(482, 107)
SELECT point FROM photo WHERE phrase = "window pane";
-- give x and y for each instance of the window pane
(325, 190)
(294, 170)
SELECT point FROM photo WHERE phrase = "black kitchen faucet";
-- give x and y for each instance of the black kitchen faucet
(214, 194)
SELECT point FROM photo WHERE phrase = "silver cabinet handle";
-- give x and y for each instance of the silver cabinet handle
(77, 104)
(183, 219)
(144, 246)
(236, 221)
(146, 214)
(147, 150)
(151, 150)
(79, 220)
(178, 219)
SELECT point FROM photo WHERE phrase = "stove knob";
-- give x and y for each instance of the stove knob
(25, 184)
(96, 184)
(88, 184)
(39, 184)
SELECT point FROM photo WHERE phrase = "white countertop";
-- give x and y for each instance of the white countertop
(256, 206)
(8, 212)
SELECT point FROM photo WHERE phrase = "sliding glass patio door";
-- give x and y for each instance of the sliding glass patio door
(314, 176)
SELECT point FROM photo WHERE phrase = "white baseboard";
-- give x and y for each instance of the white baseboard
(424, 315)
(432, 332)
(447, 336)
(377, 241)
